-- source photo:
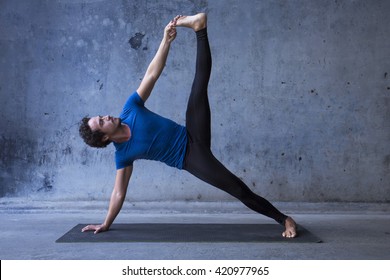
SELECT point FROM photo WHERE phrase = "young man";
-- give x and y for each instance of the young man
(142, 134)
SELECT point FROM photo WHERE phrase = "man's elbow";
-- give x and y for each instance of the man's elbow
(151, 78)
(119, 195)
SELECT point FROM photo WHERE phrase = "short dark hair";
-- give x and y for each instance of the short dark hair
(92, 138)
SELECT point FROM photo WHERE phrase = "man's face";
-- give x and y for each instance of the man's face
(106, 124)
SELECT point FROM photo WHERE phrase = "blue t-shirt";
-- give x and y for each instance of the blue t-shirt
(152, 137)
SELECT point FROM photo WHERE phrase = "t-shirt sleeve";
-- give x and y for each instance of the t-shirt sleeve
(133, 101)
(119, 164)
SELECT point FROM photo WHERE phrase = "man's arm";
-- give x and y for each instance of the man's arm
(157, 65)
(117, 198)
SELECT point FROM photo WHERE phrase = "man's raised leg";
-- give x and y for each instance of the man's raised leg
(198, 109)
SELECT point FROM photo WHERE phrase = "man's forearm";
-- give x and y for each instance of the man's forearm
(116, 203)
(157, 65)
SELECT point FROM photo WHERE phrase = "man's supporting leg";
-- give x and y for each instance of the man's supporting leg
(201, 163)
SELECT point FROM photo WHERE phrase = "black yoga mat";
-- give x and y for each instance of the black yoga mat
(188, 233)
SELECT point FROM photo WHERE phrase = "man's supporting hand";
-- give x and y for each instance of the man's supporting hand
(96, 228)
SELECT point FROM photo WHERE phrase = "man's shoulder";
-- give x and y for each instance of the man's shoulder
(134, 101)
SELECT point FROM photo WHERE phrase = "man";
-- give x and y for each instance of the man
(142, 134)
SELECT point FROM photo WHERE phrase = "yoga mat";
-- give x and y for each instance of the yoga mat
(261, 233)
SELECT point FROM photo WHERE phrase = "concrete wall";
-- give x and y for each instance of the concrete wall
(300, 94)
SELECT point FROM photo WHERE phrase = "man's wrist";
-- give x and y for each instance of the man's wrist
(166, 41)
(105, 225)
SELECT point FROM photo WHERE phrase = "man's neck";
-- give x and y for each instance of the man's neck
(123, 134)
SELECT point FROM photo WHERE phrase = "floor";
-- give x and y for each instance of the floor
(349, 231)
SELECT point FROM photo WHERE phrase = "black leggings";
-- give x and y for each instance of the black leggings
(199, 159)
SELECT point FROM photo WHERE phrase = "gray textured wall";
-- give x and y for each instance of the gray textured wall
(300, 93)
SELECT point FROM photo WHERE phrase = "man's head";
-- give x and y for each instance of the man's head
(97, 131)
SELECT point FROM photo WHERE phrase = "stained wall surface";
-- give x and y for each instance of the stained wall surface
(300, 96)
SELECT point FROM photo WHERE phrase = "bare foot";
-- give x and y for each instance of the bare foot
(291, 228)
(196, 22)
